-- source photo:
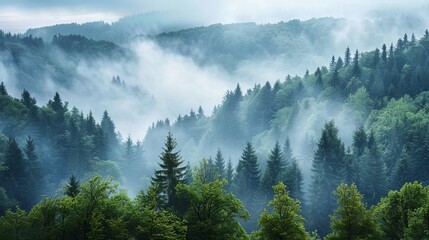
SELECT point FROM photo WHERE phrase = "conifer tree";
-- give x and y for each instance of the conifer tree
(72, 187)
(172, 171)
(401, 170)
(34, 166)
(373, 173)
(220, 163)
(3, 90)
(328, 165)
(384, 53)
(347, 57)
(229, 174)
(16, 181)
(247, 177)
(359, 142)
(356, 67)
(275, 166)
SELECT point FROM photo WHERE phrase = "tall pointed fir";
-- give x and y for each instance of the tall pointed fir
(3, 90)
(327, 171)
(72, 188)
(220, 164)
(292, 174)
(347, 57)
(275, 166)
(35, 170)
(16, 182)
(229, 175)
(247, 177)
(356, 67)
(172, 172)
(373, 173)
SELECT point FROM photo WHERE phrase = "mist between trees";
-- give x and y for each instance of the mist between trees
(378, 140)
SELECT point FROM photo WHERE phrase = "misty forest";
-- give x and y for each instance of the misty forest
(157, 126)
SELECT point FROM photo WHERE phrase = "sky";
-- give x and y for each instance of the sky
(18, 15)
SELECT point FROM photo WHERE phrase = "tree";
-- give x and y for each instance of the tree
(34, 166)
(284, 221)
(356, 67)
(3, 90)
(401, 171)
(351, 220)
(359, 142)
(384, 53)
(171, 173)
(72, 187)
(108, 128)
(394, 211)
(328, 165)
(247, 176)
(213, 213)
(373, 172)
(275, 166)
(229, 175)
(220, 163)
(347, 57)
(16, 182)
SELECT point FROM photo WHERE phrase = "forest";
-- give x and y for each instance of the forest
(66, 176)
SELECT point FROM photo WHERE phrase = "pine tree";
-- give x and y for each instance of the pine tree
(247, 177)
(220, 163)
(229, 175)
(376, 58)
(72, 187)
(384, 53)
(340, 63)
(333, 64)
(373, 173)
(171, 173)
(359, 142)
(16, 181)
(275, 166)
(108, 128)
(287, 152)
(319, 81)
(30, 104)
(356, 67)
(426, 33)
(34, 166)
(347, 57)
(3, 90)
(328, 165)
(351, 220)
(401, 171)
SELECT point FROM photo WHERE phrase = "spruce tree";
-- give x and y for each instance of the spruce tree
(229, 174)
(220, 163)
(373, 173)
(328, 165)
(3, 90)
(356, 67)
(347, 57)
(16, 180)
(384, 53)
(172, 171)
(275, 166)
(72, 187)
(401, 170)
(247, 177)
(359, 142)
(35, 170)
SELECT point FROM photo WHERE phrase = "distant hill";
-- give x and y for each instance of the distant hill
(118, 32)
(294, 44)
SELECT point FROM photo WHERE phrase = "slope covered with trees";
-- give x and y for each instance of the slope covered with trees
(382, 94)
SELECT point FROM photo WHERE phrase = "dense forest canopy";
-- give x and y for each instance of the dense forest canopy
(250, 142)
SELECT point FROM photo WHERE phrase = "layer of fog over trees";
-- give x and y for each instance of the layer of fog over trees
(209, 86)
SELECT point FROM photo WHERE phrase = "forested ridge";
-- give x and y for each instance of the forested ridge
(379, 179)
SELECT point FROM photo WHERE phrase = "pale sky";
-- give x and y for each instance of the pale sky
(19, 15)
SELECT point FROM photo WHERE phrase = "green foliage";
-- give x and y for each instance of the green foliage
(284, 221)
(72, 187)
(404, 210)
(351, 220)
(213, 213)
